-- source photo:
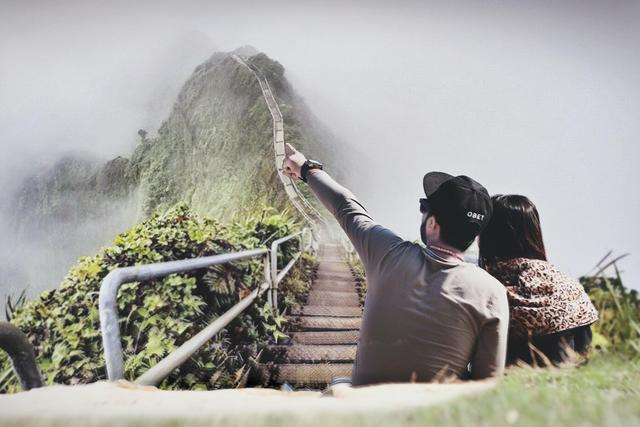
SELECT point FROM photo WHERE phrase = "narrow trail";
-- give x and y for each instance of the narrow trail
(305, 208)
(325, 331)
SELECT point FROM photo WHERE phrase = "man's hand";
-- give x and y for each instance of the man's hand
(292, 162)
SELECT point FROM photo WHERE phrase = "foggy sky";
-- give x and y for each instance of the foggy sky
(541, 98)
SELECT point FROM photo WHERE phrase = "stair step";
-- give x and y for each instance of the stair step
(325, 337)
(344, 294)
(333, 265)
(335, 284)
(344, 276)
(299, 353)
(332, 248)
(317, 375)
(324, 322)
(339, 288)
(326, 310)
(336, 256)
(325, 332)
(331, 259)
(334, 274)
(347, 283)
(334, 289)
(334, 278)
(337, 299)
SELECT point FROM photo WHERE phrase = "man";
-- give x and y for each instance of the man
(428, 315)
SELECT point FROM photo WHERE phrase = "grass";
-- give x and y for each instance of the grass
(604, 392)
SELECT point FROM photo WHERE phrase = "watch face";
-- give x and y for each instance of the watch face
(307, 166)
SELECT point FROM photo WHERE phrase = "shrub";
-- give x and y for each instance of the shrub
(159, 315)
(619, 308)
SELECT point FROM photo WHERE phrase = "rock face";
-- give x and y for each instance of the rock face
(214, 152)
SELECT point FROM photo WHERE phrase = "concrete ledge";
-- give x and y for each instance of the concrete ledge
(123, 403)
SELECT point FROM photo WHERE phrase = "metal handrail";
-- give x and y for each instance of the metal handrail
(276, 277)
(295, 196)
(268, 95)
(157, 373)
(109, 312)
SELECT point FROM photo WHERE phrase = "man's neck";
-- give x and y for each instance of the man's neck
(446, 252)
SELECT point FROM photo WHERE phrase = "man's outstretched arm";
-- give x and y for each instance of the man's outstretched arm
(371, 240)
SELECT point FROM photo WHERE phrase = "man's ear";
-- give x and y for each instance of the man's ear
(432, 225)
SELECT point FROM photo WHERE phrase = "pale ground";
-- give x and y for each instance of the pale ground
(122, 403)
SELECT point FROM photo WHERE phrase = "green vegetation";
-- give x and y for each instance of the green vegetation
(358, 271)
(603, 392)
(214, 152)
(158, 316)
(619, 326)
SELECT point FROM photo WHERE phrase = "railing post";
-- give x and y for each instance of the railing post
(109, 326)
(267, 278)
(301, 242)
(274, 275)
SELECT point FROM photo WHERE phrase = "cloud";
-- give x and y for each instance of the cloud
(534, 98)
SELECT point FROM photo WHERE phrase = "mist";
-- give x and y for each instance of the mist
(540, 99)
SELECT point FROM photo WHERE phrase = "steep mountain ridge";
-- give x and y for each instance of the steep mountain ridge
(214, 151)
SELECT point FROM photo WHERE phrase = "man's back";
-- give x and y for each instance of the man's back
(422, 319)
(424, 322)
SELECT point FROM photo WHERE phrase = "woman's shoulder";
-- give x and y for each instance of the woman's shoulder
(519, 270)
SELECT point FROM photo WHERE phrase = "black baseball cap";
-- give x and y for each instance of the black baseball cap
(461, 205)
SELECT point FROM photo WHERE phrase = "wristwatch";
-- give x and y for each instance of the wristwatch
(307, 166)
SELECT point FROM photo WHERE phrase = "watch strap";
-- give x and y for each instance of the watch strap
(307, 166)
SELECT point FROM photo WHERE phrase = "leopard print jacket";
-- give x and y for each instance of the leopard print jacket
(542, 299)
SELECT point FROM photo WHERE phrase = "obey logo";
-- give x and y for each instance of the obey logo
(475, 215)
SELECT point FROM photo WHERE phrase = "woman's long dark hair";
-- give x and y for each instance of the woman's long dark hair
(513, 231)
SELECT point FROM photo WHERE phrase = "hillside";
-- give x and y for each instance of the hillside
(214, 151)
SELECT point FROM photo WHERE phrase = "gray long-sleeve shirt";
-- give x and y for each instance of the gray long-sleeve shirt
(423, 320)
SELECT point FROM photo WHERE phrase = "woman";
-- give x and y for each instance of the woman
(550, 312)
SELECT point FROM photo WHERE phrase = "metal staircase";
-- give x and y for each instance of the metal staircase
(324, 333)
